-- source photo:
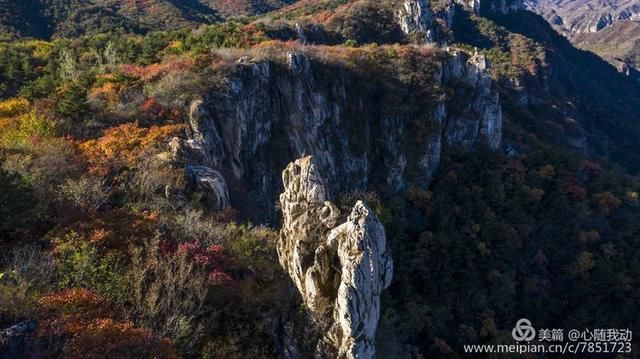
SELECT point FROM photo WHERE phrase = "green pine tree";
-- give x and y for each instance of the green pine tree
(72, 101)
(16, 204)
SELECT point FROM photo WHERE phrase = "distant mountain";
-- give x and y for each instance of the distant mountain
(585, 16)
(71, 18)
(610, 29)
(618, 44)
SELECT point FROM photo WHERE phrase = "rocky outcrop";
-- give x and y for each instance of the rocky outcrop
(364, 133)
(626, 69)
(340, 270)
(187, 155)
(14, 340)
(486, 7)
(447, 13)
(416, 16)
(471, 5)
(212, 184)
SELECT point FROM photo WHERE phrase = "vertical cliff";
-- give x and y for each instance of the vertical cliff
(416, 16)
(365, 129)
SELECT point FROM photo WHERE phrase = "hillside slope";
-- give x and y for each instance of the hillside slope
(618, 44)
(46, 18)
(574, 97)
(20, 18)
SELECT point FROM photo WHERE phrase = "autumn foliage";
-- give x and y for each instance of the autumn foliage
(113, 230)
(212, 258)
(155, 71)
(12, 107)
(83, 319)
(124, 145)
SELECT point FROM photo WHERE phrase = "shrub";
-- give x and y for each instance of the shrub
(211, 258)
(113, 231)
(371, 199)
(125, 144)
(83, 323)
(27, 131)
(55, 159)
(168, 294)
(177, 88)
(260, 290)
(45, 165)
(89, 193)
(157, 70)
(227, 34)
(150, 180)
(107, 338)
(25, 274)
(351, 43)
(104, 95)
(589, 236)
(73, 301)
(81, 265)
(13, 107)
(193, 225)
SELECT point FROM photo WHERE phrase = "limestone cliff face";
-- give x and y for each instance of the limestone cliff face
(340, 270)
(363, 133)
(482, 108)
(416, 16)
